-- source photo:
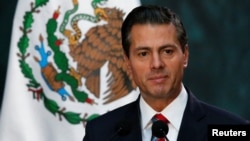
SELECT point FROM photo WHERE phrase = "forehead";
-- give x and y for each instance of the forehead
(153, 34)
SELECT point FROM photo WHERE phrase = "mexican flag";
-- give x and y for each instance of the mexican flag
(65, 68)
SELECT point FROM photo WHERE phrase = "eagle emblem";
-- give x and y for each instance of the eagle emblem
(71, 60)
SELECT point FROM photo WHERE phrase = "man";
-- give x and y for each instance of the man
(156, 53)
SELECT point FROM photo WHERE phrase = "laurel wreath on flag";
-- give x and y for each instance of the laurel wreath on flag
(61, 62)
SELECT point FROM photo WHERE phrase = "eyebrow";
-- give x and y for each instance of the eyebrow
(161, 47)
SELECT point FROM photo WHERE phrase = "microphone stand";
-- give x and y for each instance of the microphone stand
(165, 136)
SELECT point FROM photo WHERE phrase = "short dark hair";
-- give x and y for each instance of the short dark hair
(151, 14)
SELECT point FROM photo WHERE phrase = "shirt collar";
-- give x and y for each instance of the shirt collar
(174, 111)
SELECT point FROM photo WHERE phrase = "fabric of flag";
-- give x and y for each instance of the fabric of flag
(65, 68)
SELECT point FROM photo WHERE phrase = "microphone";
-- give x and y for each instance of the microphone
(123, 128)
(160, 129)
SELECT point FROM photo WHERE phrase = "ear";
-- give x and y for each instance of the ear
(127, 62)
(186, 56)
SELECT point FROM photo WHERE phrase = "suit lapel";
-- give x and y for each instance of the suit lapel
(133, 116)
(193, 121)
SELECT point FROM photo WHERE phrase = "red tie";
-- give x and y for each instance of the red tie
(158, 117)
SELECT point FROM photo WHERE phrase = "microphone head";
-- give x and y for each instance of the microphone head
(123, 128)
(159, 129)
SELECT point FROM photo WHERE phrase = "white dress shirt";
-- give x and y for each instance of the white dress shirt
(173, 112)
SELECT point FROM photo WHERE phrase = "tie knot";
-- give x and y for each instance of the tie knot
(160, 117)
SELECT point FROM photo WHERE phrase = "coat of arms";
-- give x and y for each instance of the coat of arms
(66, 62)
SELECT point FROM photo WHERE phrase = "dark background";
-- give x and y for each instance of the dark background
(219, 42)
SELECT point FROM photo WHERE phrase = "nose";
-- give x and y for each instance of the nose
(156, 61)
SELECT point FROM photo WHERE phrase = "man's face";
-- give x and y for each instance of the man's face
(156, 60)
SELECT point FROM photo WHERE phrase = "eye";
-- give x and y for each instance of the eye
(168, 51)
(142, 54)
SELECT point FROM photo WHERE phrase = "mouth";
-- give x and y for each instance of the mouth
(158, 79)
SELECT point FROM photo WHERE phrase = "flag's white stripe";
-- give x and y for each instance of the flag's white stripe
(25, 119)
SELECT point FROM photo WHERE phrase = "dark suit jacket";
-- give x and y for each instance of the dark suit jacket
(197, 116)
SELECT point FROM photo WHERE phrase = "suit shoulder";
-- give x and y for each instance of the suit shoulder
(114, 115)
(211, 114)
(222, 116)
